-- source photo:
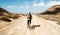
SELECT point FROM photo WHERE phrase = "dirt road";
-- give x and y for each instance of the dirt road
(19, 27)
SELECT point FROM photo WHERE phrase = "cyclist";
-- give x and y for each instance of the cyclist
(29, 18)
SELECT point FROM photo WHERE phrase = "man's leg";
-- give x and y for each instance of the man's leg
(27, 23)
(30, 21)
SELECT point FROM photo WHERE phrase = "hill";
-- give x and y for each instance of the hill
(53, 10)
(52, 13)
(3, 10)
(5, 15)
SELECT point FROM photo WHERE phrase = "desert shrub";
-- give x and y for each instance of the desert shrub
(5, 19)
(15, 16)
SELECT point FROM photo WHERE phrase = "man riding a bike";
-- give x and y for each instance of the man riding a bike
(29, 18)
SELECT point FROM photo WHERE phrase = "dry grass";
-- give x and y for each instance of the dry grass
(51, 17)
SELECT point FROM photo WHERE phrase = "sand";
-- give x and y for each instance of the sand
(19, 27)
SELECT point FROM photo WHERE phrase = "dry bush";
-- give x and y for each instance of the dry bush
(5, 19)
(14, 16)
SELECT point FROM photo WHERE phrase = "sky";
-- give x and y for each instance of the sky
(26, 6)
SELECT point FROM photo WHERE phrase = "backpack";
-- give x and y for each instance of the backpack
(30, 16)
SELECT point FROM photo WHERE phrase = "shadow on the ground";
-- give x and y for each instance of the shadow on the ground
(33, 27)
(58, 23)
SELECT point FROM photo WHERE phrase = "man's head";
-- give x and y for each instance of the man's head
(29, 13)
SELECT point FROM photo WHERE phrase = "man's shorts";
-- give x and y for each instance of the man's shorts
(29, 21)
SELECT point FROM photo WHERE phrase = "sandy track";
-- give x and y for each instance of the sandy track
(19, 27)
